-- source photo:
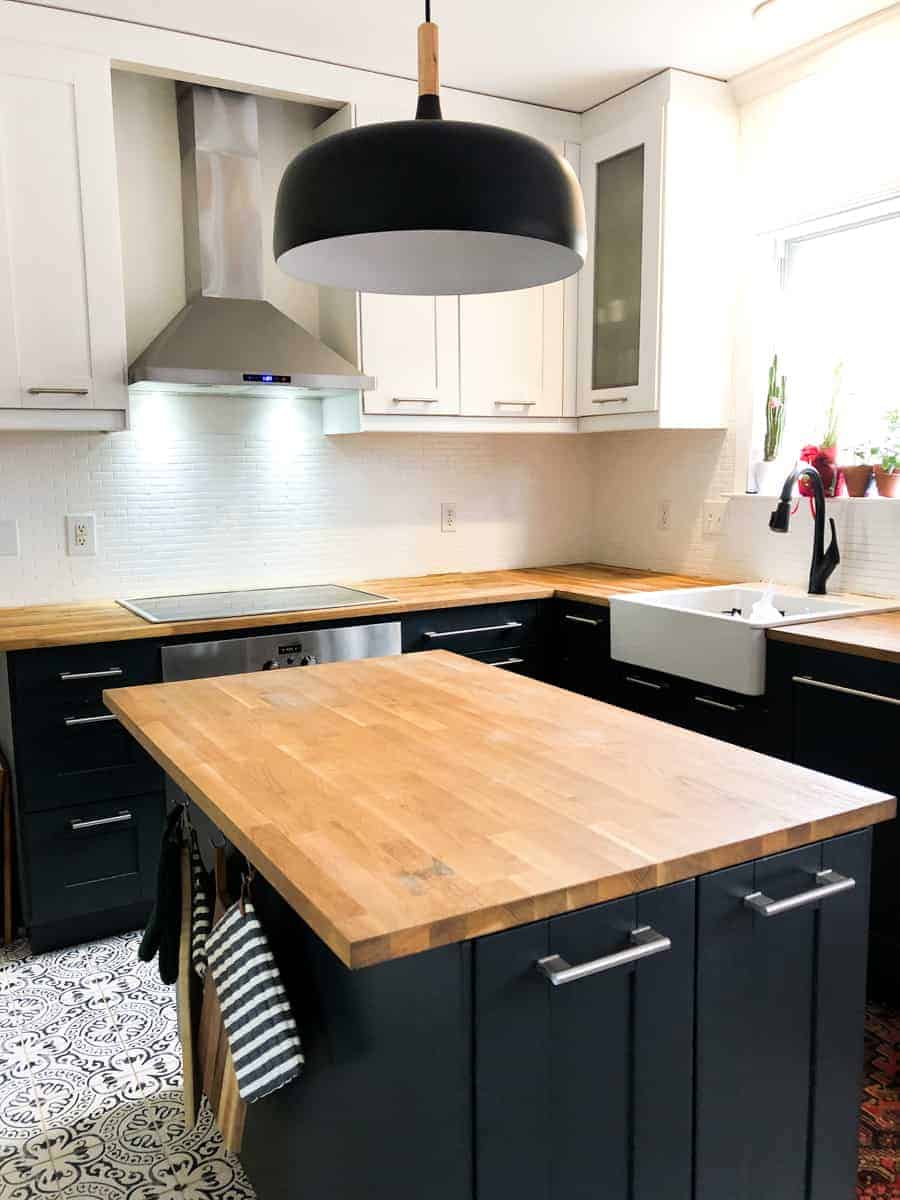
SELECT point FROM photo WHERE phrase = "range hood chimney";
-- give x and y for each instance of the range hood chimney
(227, 338)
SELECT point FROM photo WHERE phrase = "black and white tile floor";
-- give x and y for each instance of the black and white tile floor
(90, 1083)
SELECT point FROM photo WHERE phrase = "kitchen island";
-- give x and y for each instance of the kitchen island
(438, 842)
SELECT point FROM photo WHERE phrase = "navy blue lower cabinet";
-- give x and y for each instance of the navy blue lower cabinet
(584, 1090)
(839, 713)
(780, 1009)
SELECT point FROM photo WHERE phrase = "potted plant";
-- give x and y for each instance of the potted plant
(824, 455)
(887, 470)
(766, 472)
(858, 475)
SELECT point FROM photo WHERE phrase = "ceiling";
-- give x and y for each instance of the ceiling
(566, 53)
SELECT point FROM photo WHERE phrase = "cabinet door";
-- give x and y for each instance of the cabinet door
(62, 329)
(584, 1090)
(511, 353)
(622, 179)
(780, 1011)
(581, 649)
(411, 345)
(850, 731)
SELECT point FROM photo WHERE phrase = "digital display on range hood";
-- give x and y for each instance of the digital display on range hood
(250, 378)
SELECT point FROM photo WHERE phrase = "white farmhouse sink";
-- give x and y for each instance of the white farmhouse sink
(706, 634)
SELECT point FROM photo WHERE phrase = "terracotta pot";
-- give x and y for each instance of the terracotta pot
(857, 478)
(887, 482)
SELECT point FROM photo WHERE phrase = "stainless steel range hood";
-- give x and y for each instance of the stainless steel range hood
(227, 338)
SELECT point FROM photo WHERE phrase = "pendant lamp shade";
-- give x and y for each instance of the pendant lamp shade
(430, 207)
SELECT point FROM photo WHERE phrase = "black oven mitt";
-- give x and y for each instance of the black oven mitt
(163, 932)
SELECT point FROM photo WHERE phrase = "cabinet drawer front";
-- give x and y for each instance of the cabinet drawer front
(75, 676)
(594, 1075)
(83, 757)
(643, 691)
(92, 857)
(520, 660)
(485, 627)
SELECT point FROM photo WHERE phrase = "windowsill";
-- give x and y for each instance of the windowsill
(831, 499)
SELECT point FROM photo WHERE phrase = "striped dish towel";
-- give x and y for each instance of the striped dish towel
(201, 915)
(262, 1034)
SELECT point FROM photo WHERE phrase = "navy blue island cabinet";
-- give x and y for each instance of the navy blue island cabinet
(721, 1063)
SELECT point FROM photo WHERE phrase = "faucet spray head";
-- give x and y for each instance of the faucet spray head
(780, 520)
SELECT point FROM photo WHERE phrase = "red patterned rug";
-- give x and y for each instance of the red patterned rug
(879, 1127)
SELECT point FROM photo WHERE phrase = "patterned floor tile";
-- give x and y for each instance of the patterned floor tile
(90, 1083)
(27, 1169)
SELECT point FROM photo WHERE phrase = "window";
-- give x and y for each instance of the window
(836, 326)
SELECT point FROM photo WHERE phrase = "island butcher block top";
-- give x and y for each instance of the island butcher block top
(409, 802)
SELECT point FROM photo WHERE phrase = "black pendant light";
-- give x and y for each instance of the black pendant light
(429, 207)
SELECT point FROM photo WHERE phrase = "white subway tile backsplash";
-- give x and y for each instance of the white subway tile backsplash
(221, 493)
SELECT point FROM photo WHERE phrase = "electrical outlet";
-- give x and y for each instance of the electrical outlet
(9, 539)
(448, 517)
(81, 534)
(664, 518)
(714, 517)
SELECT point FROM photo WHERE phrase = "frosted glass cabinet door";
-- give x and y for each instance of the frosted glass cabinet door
(621, 174)
(62, 327)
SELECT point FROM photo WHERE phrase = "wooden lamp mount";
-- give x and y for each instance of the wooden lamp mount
(429, 106)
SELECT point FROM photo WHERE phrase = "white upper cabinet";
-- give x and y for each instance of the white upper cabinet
(658, 167)
(411, 345)
(62, 327)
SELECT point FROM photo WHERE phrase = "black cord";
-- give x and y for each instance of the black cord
(427, 10)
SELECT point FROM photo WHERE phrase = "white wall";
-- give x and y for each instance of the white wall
(816, 135)
(223, 493)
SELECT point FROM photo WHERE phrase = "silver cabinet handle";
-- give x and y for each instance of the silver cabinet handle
(735, 708)
(77, 824)
(507, 662)
(580, 620)
(68, 676)
(515, 403)
(58, 391)
(480, 629)
(612, 400)
(657, 687)
(70, 721)
(828, 883)
(843, 691)
(644, 942)
(416, 400)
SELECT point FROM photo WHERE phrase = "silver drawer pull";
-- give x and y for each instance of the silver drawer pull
(416, 400)
(580, 620)
(58, 391)
(72, 721)
(515, 403)
(612, 400)
(76, 824)
(735, 708)
(109, 673)
(843, 691)
(657, 687)
(644, 942)
(480, 629)
(828, 883)
(507, 662)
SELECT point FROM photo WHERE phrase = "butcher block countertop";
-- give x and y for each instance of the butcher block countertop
(106, 621)
(876, 636)
(409, 802)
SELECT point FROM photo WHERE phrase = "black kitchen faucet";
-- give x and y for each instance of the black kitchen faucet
(823, 561)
